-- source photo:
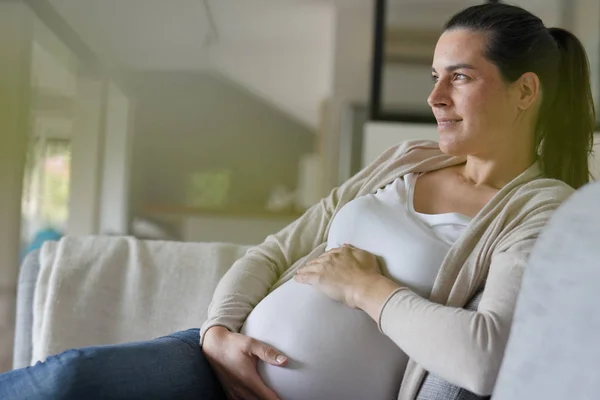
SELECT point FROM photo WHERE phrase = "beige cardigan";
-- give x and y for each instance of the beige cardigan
(463, 347)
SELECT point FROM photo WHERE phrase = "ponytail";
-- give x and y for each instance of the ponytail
(565, 132)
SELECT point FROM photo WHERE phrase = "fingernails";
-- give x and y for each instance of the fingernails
(280, 359)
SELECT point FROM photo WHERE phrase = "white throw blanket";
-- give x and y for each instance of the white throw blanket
(108, 290)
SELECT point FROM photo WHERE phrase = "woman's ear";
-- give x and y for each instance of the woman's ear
(528, 90)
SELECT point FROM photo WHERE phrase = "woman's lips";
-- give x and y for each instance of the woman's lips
(448, 122)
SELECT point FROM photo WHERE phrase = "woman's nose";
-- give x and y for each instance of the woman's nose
(439, 96)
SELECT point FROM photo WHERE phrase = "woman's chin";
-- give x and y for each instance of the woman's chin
(448, 146)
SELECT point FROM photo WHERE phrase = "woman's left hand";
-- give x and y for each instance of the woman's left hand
(340, 273)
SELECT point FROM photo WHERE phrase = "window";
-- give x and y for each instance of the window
(46, 185)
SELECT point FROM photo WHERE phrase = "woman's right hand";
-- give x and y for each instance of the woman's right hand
(234, 358)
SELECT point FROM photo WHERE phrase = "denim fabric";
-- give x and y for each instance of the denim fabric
(171, 367)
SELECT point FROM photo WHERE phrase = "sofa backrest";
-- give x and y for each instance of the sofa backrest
(554, 348)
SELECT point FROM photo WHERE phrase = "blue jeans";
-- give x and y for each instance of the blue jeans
(171, 367)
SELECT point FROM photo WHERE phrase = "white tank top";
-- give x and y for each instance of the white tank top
(336, 352)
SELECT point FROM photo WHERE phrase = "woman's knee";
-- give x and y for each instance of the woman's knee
(58, 376)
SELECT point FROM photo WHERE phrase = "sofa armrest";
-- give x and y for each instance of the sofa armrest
(28, 275)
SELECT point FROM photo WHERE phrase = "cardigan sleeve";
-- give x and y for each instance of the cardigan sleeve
(250, 278)
(461, 346)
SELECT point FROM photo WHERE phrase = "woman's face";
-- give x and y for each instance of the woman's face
(474, 107)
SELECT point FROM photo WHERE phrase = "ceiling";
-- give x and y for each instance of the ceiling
(175, 34)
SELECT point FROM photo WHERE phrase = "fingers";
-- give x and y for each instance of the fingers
(254, 382)
(310, 268)
(235, 367)
(242, 393)
(239, 393)
(248, 385)
(260, 390)
(302, 277)
(268, 354)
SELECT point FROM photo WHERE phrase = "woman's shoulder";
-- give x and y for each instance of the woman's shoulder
(404, 157)
(529, 208)
(413, 147)
(407, 152)
(541, 196)
(547, 188)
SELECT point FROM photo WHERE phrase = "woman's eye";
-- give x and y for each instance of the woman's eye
(461, 77)
(434, 78)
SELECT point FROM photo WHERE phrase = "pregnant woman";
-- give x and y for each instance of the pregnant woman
(362, 297)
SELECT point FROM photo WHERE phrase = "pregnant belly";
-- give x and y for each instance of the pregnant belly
(334, 352)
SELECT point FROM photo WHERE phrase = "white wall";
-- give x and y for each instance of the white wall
(294, 79)
(15, 76)
(86, 157)
(51, 73)
(116, 168)
(286, 57)
(350, 84)
(551, 12)
(352, 55)
(586, 25)
(281, 50)
(191, 123)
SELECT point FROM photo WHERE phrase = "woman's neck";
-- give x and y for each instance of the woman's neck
(495, 172)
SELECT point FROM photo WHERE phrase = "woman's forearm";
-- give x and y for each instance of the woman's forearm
(461, 346)
(372, 293)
